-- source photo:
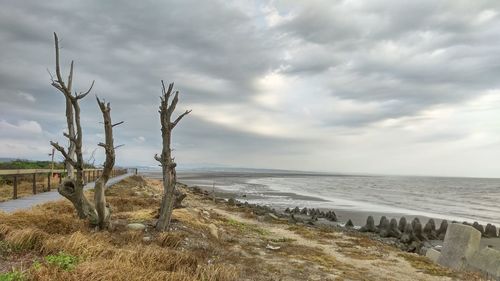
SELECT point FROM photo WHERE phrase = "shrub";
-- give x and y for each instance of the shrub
(13, 275)
(62, 260)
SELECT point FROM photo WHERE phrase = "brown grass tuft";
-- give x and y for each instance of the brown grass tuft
(26, 239)
(170, 239)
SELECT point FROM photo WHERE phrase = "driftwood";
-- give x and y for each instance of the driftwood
(166, 160)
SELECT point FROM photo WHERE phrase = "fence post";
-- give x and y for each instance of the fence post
(48, 182)
(93, 174)
(34, 184)
(15, 188)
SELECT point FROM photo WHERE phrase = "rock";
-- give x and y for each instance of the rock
(393, 230)
(442, 230)
(415, 246)
(430, 230)
(490, 231)
(136, 226)
(287, 210)
(417, 231)
(433, 254)
(205, 214)
(487, 261)
(296, 210)
(271, 247)
(349, 224)
(413, 222)
(231, 202)
(370, 225)
(460, 244)
(330, 215)
(402, 224)
(146, 239)
(272, 216)
(382, 221)
(407, 236)
(213, 231)
(479, 227)
(383, 227)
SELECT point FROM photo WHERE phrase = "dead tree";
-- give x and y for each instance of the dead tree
(166, 160)
(72, 187)
(102, 210)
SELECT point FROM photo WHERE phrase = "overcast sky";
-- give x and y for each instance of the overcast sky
(390, 87)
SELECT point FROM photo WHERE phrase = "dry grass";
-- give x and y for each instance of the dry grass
(190, 252)
(25, 187)
(118, 254)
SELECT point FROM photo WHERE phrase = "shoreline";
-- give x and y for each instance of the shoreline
(345, 212)
(357, 216)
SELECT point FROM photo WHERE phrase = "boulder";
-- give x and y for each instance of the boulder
(330, 215)
(460, 244)
(490, 231)
(402, 224)
(296, 210)
(433, 254)
(304, 211)
(349, 224)
(430, 230)
(479, 227)
(136, 226)
(414, 221)
(407, 236)
(487, 261)
(370, 225)
(390, 229)
(382, 221)
(417, 231)
(442, 229)
(271, 216)
(287, 210)
(231, 202)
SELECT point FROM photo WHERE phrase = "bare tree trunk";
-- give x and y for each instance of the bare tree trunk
(71, 131)
(103, 211)
(166, 160)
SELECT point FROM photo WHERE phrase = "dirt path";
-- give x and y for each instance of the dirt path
(373, 263)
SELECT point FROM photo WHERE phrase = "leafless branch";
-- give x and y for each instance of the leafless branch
(180, 117)
(119, 123)
(82, 95)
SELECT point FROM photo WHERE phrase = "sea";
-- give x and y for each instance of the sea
(460, 199)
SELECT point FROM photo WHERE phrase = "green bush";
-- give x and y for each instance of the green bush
(62, 260)
(13, 275)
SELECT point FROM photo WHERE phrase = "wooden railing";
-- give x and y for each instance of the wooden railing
(15, 176)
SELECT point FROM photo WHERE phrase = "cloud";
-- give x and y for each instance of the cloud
(26, 96)
(279, 84)
(23, 127)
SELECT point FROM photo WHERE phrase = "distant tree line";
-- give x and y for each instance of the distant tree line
(33, 164)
